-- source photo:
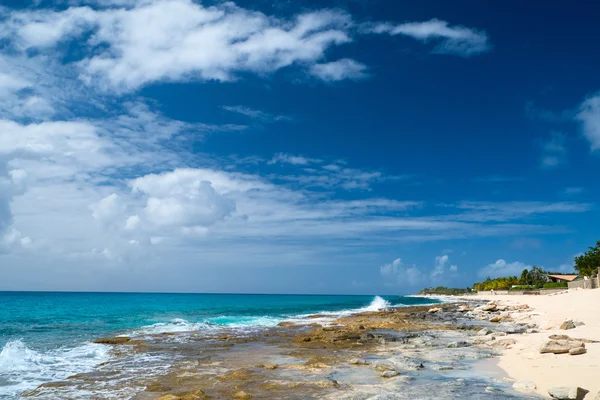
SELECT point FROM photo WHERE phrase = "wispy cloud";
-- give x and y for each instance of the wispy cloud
(554, 151)
(339, 70)
(256, 114)
(499, 179)
(293, 159)
(589, 117)
(457, 39)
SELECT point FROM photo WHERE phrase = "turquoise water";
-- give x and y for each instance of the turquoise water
(47, 336)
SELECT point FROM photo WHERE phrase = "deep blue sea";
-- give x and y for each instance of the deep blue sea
(47, 336)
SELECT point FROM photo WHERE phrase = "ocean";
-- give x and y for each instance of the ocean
(47, 337)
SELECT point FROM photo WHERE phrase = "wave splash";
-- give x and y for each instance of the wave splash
(378, 304)
(22, 368)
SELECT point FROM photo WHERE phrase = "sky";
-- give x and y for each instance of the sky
(343, 147)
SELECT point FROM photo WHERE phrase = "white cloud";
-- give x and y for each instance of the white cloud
(339, 70)
(398, 274)
(127, 45)
(293, 159)
(256, 114)
(554, 151)
(589, 116)
(456, 39)
(501, 268)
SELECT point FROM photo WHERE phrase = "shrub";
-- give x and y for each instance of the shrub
(553, 285)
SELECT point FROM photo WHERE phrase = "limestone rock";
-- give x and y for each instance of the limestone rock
(241, 395)
(113, 340)
(503, 343)
(532, 330)
(577, 351)
(524, 386)
(359, 361)
(559, 337)
(465, 308)
(484, 332)
(560, 346)
(567, 393)
(390, 374)
(459, 344)
(272, 366)
(568, 324)
(497, 318)
(434, 310)
(511, 328)
(491, 306)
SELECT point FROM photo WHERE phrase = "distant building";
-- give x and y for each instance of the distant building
(561, 278)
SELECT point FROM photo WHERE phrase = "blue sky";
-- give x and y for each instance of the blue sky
(300, 147)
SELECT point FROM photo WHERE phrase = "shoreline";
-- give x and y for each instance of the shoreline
(395, 353)
(524, 362)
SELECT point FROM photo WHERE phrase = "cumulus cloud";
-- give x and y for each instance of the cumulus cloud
(128, 45)
(501, 268)
(457, 39)
(589, 117)
(339, 70)
(400, 274)
(396, 273)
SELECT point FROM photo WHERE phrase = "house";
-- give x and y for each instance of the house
(561, 278)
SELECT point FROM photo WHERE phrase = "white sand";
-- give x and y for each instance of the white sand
(524, 361)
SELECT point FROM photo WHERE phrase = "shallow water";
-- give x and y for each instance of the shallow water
(46, 337)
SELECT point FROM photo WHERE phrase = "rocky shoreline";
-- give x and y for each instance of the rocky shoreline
(438, 352)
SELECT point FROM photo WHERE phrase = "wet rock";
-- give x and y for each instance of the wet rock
(382, 367)
(286, 324)
(359, 361)
(524, 386)
(567, 393)
(577, 351)
(511, 328)
(241, 395)
(328, 384)
(459, 344)
(568, 324)
(113, 340)
(490, 389)
(484, 332)
(157, 387)
(390, 374)
(560, 346)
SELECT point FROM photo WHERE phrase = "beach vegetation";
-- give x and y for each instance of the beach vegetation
(445, 291)
(587, 264)
(555, 285)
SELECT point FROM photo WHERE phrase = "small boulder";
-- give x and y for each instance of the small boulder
(577, 351)
(532, 330)
(497, 318)
(390, 374)
(568, 324)
(271, 367)
(434, 310)
(359, 361)
(491, 306)
(559, 337)
(567, 393)
(459, 344)
(465, 308)
(511, 328)
(241, 395)
(524, 386)
(560, 346)
(484, 332)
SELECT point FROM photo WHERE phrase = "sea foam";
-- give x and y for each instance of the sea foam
(22, 368)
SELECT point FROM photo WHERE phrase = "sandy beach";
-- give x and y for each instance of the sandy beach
(523, 361)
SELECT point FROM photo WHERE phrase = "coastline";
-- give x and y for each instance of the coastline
(393, 353)
(524, 362)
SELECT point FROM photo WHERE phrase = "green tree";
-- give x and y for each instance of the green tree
(588, 263)
(525, 277)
